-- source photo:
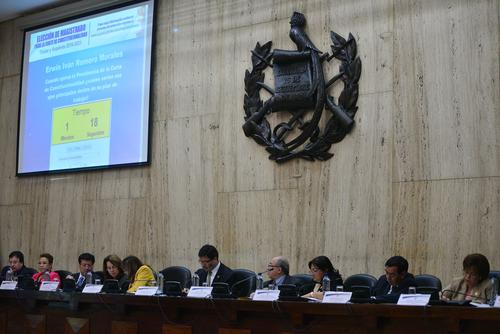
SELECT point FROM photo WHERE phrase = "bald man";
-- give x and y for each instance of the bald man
(278, 271)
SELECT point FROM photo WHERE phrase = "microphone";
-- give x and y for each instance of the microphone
(265, 271)
(462, 294)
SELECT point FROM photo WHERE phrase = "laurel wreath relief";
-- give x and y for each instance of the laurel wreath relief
(318, 145)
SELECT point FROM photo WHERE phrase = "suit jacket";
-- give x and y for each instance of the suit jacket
(142, 278)
(335, 280)
(382, 287)
(288, 280)
(24, 272)
(94, 277)
(224, 275)
(481, 293)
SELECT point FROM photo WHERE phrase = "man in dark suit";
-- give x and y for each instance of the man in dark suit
(278, 271)
(16, 265)
(212, 270)
(86, 265)
(396, 280)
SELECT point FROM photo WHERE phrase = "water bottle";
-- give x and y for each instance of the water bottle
(88, 278)
(326, 283)
(160, 284)
(259, 282)
(195, 280)
(9, 275)
(494, 290)
(45, 277)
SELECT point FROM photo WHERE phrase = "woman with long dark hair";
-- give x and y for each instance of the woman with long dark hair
(112, 267)
(320, 267)
(139, 274)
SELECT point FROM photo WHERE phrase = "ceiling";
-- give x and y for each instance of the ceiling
(11, 9)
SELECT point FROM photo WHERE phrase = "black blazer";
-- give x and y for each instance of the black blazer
(382, 287)
(24, 272)
(335, 280)
(224, 275)
(288, 280)
(95, 276)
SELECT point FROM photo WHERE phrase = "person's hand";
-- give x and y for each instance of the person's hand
(315, 295)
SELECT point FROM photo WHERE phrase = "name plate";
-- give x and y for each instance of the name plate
(92, 288)
(337, 297)
(8, 285)
(414, 299)
(49, 286)
(146, 291)
(497, 302)
(200, 291)
(266, 295)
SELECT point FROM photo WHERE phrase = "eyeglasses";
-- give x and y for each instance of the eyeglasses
(471, 274)
(270, 267)
(314, 269)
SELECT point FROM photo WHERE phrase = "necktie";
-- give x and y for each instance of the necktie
(79, 283)
(209, 278)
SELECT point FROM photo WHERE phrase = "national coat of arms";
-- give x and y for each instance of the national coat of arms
(300, 88)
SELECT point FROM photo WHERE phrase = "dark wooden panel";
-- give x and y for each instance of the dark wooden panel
(234, 331)
(108, 313)
(3, 323)
(176, 329)
(35, 324)
(123, 327)
(77, 326)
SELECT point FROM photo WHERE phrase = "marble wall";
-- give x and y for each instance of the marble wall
(418, 176)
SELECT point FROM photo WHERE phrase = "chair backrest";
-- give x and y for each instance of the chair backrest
(360, 280)
(243, 282)
(428, 281)
(179, 274)
(496, 274)
(63, 274)
(302, 279)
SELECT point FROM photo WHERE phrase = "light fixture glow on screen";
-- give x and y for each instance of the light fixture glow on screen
(85, 92)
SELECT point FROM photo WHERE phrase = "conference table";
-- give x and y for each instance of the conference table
(60, 312)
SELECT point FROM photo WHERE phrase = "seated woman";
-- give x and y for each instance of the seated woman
(45, 266)
(474, 285)
(112, 268)
(320, 267)
(139, 274)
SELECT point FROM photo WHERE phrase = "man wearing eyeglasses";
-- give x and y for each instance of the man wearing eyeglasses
(278, 271)
(212, 270)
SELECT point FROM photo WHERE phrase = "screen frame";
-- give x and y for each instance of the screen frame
(149, 112)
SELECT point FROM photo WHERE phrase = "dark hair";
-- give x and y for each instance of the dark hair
(324, 264)
(208, 251)
(131, 264)
(479, 263)
(116, 261)
(17, 254)
(48, 257)
(399, 262)
(86, 257)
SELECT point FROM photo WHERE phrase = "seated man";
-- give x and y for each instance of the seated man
(212, 270)
(278, 271)
(395, 281)
(86, 265)
(16, 265)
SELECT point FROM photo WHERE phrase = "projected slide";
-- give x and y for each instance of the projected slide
(85, 92)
